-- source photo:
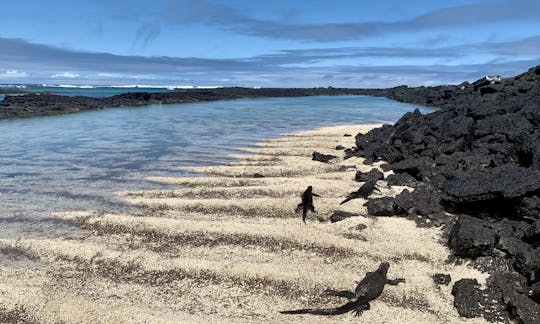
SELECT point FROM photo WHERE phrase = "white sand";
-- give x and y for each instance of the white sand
(229, 248)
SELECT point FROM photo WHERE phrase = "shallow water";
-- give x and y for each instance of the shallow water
(75, 161)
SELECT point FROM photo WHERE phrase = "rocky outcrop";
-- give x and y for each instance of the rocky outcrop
(478, 156)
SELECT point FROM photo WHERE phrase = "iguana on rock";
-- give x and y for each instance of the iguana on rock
(307, 203)
(367, 290)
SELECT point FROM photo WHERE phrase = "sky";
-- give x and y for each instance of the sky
(256, 43)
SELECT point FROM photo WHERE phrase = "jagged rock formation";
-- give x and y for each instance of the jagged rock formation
(479, 156)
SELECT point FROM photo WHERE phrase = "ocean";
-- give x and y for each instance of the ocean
(84, 90)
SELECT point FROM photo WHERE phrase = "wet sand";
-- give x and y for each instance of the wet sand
(228, 247)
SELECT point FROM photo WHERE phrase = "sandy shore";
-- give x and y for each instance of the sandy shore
(229, 248)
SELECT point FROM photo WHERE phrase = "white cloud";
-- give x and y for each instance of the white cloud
(13, 74)
(65, 75)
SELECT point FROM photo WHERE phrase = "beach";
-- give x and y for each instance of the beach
(228, 247)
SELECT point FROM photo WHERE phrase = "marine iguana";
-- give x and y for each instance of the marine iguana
(367, 290)
(365, 190)
(307, 203)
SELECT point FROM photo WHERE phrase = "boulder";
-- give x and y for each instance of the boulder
(373, 174)
(504, 182)
(381, 206)
(471, 237)
(401, 179)
(470, 301)
(441, 279)
(529, 207)
(325, 158)
(532, 234)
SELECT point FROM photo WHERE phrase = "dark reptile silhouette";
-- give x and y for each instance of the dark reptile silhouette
(365, 190)
(307, 203)
(367, 290)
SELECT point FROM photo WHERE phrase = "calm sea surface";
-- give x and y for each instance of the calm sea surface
(75, 162)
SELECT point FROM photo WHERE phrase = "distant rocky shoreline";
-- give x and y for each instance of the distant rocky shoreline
(29, 105)
(477, 157)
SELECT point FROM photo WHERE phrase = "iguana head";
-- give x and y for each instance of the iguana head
(383, 267)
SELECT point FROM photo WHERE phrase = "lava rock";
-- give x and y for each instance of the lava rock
(471, 301)
(532, 234)
(470, 237)
(340, 147)
(514, 295)
(373, 175)
(534, 292)
(381, 206)
(421, 201)
(442, 279)
(340, 215)
(401, 179)
(529, 207)
(504, 182)
(325, 158)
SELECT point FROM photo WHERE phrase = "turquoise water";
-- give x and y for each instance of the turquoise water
(89, 91)
(75, 161)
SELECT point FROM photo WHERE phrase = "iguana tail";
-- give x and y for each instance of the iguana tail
(324, 311)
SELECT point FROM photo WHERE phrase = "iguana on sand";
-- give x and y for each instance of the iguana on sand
(363, 192)
(367, 290)
(307, 203)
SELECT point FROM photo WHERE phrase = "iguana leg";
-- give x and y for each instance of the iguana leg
(360, 309)
(394, 282)
(312, 209)
(299, 207)
(340, 293)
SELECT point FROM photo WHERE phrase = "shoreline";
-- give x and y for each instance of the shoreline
(30, 105)
(233, 241)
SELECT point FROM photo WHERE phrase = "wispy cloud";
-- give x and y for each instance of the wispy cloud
(146, 33)
(231, 19)
(65, 75)
(12, 74)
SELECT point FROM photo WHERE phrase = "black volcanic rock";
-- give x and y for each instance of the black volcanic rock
(325, 158)
(480, 155)
(529, 207)
(470, 302)
(506, 297)
(384, 206)
(471, 238)
(401, 179)
(442, 279)
(504, 182)
(532, 234)
(373, 174)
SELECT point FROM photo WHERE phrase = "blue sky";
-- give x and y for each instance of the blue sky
(266, 43)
